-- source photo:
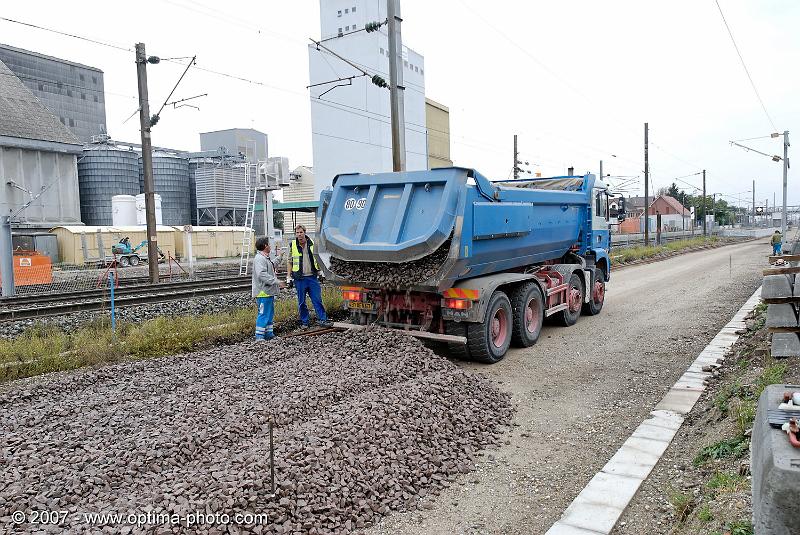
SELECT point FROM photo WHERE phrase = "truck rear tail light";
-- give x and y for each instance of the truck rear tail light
(352, 294)
(458, 304)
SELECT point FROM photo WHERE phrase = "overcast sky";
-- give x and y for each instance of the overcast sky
(576, 80)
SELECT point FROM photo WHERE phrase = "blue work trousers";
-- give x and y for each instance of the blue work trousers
(776, 248)
(266, 313)
(309, 285)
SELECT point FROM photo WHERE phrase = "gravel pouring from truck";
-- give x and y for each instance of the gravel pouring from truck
(446, 254)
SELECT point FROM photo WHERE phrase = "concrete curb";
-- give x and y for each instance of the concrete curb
(602, 501)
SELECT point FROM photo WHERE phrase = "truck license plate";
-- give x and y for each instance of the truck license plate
(359, 305)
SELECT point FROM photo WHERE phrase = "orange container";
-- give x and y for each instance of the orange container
(32, 268)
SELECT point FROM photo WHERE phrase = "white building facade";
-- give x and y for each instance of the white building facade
(351, 124)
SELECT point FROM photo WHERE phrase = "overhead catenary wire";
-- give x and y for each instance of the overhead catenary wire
(744, 65)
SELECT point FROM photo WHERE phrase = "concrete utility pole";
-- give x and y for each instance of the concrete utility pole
(7, 257)
(754, 203)
(646, 190)
(396, 87)
(705, 231)
(516, 158)
(147, 164)
(785, 175)
(601, 170)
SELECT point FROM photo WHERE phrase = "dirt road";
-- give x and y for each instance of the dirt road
(580, 391)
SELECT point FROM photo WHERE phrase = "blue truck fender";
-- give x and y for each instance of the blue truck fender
(603, 261)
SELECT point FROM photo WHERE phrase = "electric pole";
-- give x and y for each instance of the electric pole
(646, 191)
(601, 170)
(147, 164)
(705, 233)
(516, 158)
(754, 203)
(396, 87)
(785, 173)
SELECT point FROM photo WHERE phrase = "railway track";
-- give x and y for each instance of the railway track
(29, 307)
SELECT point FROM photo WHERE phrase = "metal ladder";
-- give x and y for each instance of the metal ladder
(251, 176)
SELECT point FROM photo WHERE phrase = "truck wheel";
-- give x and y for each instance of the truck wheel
(488, 341)
(595, 304)
(124, 261)
(457, 328)
(134, 260)
(570, 315)
(528, 305)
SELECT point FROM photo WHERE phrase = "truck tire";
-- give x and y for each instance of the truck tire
(124, 261)
(570, 315)
(457, 328)
(488, 341)
(135, 260)
(597, 297)
(528, 306)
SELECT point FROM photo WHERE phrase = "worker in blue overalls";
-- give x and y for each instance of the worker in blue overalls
(304, 274)
(265, 288)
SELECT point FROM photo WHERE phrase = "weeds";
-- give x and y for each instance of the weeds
(705, 514)
(772, 374)
(740, 527)
(723, 397)
(630, 254)
(44, 349)
(745, 414)
(736, 447)
(681, 502)
(726, 482)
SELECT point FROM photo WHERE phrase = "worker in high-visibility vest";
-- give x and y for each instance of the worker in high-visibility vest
(265, 288)
(305, 275)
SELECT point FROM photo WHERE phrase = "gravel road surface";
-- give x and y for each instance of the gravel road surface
(580, 391)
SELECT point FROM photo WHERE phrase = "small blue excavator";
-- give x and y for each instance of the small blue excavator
(127, 255)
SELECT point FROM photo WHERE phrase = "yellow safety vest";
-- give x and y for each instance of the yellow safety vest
(297, 255)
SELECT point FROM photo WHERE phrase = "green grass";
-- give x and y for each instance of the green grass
(773, 374)
(726, 482)
(723, 397)
(745, 414)
(47, 349)
(705, 514)
(630, 254)
(740, 527)
(736, 447)
(681, 502)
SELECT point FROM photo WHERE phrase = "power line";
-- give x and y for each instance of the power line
(752, 83)
(365, 143)
(95, 41)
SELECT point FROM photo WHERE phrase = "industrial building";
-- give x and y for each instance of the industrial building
(250, 144)
(299, 195)
(72, 92)
(437, 123)
(105, 170)
(351, 124)
(38, 160)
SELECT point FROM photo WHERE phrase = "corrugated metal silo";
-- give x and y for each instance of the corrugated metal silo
(105, 170)
(221, 191)
(171, 180)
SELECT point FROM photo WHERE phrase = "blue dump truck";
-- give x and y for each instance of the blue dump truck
(448, 255)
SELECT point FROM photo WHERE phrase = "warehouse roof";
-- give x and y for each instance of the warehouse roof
(22, 115)
(52, 58)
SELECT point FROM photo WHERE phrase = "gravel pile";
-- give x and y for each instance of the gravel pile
(389, 274)
(366, 423)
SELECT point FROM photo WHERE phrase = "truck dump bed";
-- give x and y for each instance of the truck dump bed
(426, 230)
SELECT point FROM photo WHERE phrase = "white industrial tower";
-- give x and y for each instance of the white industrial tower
(351, 125)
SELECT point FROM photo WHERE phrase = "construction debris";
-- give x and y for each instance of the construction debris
(365, 423)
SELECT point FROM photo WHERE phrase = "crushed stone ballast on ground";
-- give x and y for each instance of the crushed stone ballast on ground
(365, 423)
(391, 275)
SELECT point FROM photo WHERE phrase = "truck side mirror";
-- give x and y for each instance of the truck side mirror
(621, 218)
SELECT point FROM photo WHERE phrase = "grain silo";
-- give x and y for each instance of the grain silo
(171, 181)
(105, 170)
